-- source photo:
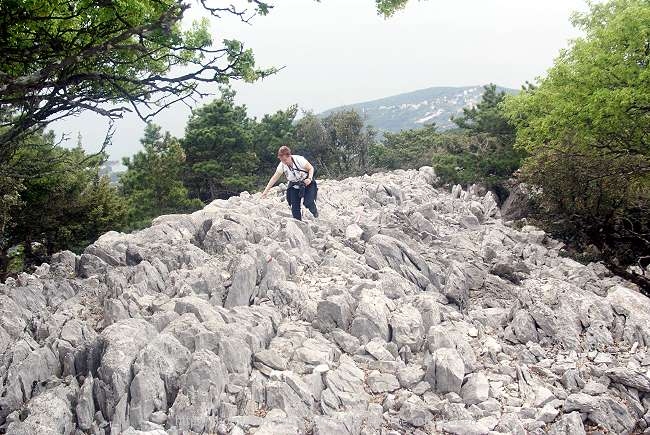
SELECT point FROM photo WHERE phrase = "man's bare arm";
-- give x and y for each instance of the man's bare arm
(310, 169)
(274, 179)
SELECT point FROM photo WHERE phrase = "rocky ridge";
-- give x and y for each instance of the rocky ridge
(436, 105)
(402, 309)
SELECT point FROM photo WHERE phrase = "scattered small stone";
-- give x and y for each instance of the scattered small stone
(378, 351)
(603, 358)
(382, 382)
(476, 389)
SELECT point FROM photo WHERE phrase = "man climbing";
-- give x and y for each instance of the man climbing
(300, 175)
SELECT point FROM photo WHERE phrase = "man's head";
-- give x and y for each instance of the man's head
(284, 154)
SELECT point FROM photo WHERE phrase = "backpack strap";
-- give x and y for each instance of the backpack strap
(297, 167)
(294, 166)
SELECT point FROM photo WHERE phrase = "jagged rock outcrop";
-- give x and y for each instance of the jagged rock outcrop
(402, 309)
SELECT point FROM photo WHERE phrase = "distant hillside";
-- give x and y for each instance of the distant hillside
(418, 108)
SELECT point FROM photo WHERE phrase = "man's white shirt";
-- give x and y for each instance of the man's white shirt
(295, 173)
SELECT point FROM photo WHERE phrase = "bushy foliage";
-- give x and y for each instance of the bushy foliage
(339, 143)
(63, 204)
(585, 126)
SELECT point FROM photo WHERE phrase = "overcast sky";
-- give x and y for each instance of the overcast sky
(340, 52)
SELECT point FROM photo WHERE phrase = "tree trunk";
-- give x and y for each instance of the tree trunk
(4, 264)
(29, 258)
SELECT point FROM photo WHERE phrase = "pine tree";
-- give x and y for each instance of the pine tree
(218, 144)
(152, 182)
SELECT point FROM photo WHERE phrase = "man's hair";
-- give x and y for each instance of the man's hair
(284, 151)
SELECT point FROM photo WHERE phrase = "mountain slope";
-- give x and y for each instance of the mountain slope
(401, 310)
(415, 109)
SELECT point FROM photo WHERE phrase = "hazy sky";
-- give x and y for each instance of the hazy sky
(340, 52)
